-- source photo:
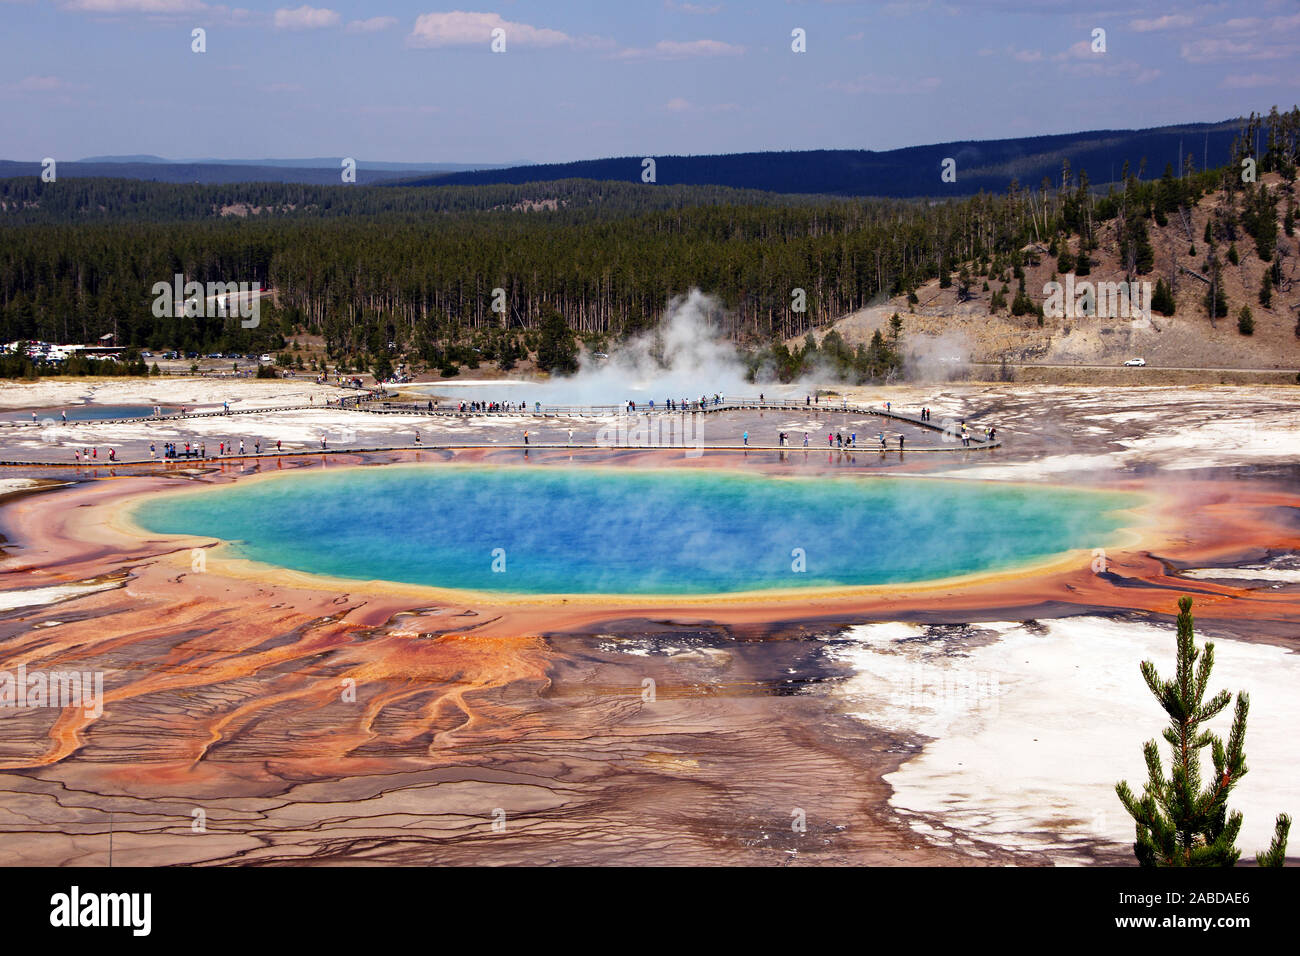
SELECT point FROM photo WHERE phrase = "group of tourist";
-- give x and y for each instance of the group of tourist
(187, 449)
(92, 454)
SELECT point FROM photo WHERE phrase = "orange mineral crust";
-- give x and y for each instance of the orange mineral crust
(309, 719)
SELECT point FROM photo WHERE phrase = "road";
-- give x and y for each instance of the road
(1162, 368)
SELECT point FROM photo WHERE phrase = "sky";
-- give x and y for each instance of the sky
(415, 81)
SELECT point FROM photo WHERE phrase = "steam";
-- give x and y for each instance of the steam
(938, 358)
(686, 356)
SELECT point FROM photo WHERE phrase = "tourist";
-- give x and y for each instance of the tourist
(746, 437)
(570, 436)
(525, 438)
(900, 441)
(65, 416)
(805, 439)
(203, 449)
(241, 446)
(277, 444)
(153, 451)
(221, 449)
(112, 454)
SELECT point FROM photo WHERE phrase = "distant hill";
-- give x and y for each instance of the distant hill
(987, 165)
(315, 162)
(314, 172)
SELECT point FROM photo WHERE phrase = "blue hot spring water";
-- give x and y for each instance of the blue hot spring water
(621, 531)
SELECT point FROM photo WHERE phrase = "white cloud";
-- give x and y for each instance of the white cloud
(41, 84)
(1081, 50)
(460, 28)
(1172, 21)
(1210, 49)
(137, 6)
(1253, 81)
(305, 18)
(692, 7)
(677, 50)
(372, 25)
(679, 105)
(887, 85)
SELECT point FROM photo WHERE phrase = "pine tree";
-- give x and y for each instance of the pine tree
(1162, 299)
(1177, 822)
(382, 368)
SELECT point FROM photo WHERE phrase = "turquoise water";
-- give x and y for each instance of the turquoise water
(565, 530)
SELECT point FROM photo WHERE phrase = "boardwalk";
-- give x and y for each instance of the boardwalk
(368, 405)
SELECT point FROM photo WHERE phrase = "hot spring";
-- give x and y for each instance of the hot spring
(556, 530)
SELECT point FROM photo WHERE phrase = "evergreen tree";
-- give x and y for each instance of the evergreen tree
(1162, 299)
(382, 369)
(1082, 264)
(1177, 822)
(1245, 321)
(557, 349)
(1216, 300)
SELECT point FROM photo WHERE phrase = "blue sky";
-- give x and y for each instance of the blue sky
(411, 80)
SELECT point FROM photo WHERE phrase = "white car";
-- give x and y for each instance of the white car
(1136, 363)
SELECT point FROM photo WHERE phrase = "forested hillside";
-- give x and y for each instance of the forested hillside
(914, 171)
(27, 200)
(417, 268)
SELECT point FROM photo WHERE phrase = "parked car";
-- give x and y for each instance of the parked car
(265, 358)
(1136, 362)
